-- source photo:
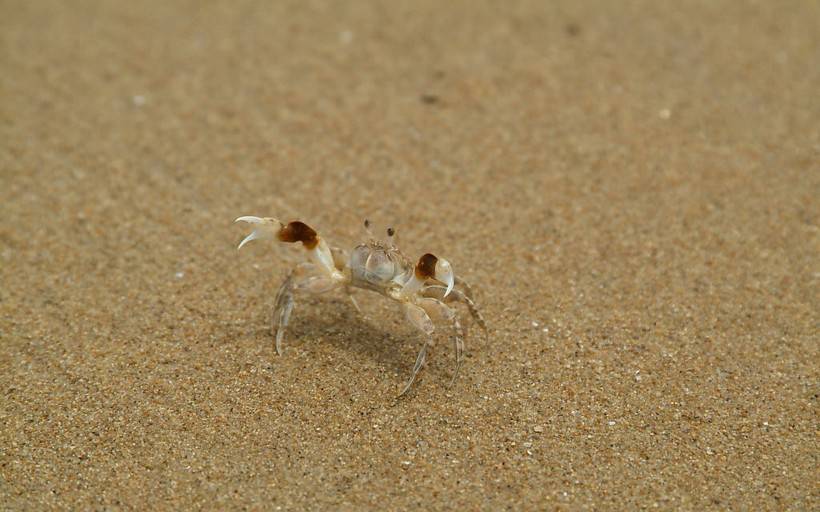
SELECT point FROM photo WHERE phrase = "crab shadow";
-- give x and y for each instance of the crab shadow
(381, 334)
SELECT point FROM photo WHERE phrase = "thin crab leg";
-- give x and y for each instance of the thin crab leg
(283, 306)
(353, 300)
(437, 292)
(458, 345)
(284, 302)
(441, 311)
(420, 360)
(421, 321)
(468, 291)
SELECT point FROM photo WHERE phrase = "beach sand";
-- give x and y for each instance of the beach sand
(630, 187)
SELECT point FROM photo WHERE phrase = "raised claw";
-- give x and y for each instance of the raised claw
(430, 267)
(264, 228)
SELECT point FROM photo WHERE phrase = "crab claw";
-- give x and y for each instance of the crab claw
(264, 228)
(444, 273)
(431, 267)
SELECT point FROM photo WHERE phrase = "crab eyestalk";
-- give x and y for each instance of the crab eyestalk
(391, 237)
(431, 267)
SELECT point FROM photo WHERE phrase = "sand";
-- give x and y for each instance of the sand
(631, 187)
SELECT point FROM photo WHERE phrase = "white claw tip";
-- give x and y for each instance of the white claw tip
(444, 273)
(250, 219)
(265, 228)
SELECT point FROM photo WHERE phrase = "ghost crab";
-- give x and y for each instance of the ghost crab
(425, 289)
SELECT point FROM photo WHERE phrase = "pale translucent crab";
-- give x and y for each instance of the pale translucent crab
(424, 290)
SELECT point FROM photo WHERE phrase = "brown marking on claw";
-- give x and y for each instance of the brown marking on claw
(426, 267)
(298, 231)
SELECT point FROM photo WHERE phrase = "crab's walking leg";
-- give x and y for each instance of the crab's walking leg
(418, 317)
(281, 310)
(439, 310)
(349, 293)
(420, 360)
(474, 311)
(437, 291)
(284, 302)
(467, 290)
(283, 305)
(458, 344)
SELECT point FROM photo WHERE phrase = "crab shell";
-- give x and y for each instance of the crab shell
(379, 267)
(375, 266)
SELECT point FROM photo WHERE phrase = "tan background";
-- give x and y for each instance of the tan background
(631, 187)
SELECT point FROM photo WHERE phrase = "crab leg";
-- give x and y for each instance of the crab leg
(420, 360)
(439, 310)
(281, 310)
(284, 302)
(458, 345)
(468, 291)
(353, 300)
(418, 317)
(437, 292)
(285, 298)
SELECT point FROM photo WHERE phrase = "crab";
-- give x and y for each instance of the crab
(426, 290)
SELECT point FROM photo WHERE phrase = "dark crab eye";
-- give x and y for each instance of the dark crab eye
(391, 231)
(367, 223)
